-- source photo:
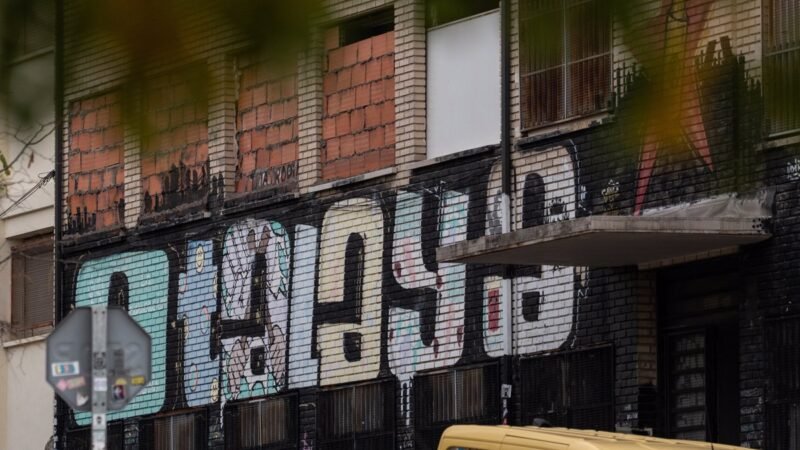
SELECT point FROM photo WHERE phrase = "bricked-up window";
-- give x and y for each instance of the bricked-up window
(174, 156)
(32, 286)
(96, 164)
(266, 125)
(565, 59)
(358, 118)
(574, 389)
(262, 424)
(781, 61)
(463, 395)
(782, 343)
(184, 431)
(360, 416)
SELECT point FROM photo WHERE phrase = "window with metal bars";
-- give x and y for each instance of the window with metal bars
(81, 438)
(781, 41)
(180, 431)
(32, 286)
(265, 424)
(461, 395)
(565, 59)
(356, 417)
(782, 340)
(574, 389)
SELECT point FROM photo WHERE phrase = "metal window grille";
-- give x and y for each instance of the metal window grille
(565, 59)
(782, 339)
(687, 385)
(182, 431)
(81, 438)
(462, 395)
(32, 305)
(781, 62)
(357, 417)
(574, 389)
(267, 424)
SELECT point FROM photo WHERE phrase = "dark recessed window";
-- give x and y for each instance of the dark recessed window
(262, 424)
(574, 389)
(440, 12)
(364, 27)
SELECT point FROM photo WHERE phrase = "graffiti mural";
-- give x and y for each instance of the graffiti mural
(255, 291)
(342, 292)
(147, 276)
(197, 310)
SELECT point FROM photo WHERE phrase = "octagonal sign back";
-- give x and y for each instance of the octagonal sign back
(69, 359)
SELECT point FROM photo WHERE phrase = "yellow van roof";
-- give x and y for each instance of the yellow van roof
(574, 439)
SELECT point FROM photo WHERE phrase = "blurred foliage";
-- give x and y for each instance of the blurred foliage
(149, 34)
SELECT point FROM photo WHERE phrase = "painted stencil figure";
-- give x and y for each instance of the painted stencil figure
(255, 270)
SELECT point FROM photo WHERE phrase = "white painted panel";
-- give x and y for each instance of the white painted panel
(464, 85)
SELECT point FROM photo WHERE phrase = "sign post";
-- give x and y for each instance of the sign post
(99, 376)
(91, 346)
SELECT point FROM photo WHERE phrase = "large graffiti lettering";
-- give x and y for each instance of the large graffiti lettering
(349, 344)
(342, 294)
(255, 270)
(197, 308)
(147, 275)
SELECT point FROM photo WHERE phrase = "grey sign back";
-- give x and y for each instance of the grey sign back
(69, 359)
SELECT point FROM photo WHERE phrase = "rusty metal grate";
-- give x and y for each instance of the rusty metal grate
(462, 395)
(356, 417)
(574, 389)
(266, 424)
(184, 431)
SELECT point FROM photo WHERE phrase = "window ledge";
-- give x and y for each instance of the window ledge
(561, 129)
(452, 156)
(352, 180)
(779, 140)
(248, 201)
(24, 341)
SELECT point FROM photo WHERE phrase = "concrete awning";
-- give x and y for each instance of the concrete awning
(717, 225)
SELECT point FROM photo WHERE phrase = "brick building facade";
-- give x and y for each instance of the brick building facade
(279, 240)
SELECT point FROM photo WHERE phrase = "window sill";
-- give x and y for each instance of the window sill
(779, 140)
(91, 239)
(24, 341)
(452, 156)
(352, 180)
(256, 200)
(563, 128)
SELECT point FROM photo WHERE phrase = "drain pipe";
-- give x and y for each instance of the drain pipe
(505, 146)
(58, 267)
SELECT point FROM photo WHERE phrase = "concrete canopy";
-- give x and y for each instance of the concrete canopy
(609, 241)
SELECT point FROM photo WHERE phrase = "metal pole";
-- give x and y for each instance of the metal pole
(99, 376)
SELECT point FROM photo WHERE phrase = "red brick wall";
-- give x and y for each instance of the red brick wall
(266, 128)
(96, 171)
(175, 146)
(358, 118)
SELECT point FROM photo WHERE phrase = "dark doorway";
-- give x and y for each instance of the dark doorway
(699, 351)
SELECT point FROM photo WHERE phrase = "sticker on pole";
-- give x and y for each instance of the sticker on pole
(66, 369)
